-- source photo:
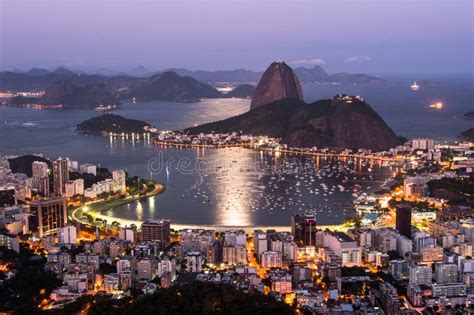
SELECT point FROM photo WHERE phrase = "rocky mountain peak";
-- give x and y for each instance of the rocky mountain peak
(278, 82)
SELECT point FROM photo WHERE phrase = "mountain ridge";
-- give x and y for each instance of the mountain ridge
(341, 122)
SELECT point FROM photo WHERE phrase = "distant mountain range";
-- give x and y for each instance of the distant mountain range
(42, 78)
(306, 75)
(69, 95)
(169, 86)
(87, 91)
(178, 85)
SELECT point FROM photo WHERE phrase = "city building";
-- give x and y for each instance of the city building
(271, 259)
(7, 196)
(449, 289)
(398, 269)
(88, 169)
(260, 242)
(423, 144)
(75, 187)
(39, 171)
(343, 246)
(47, 216)
(10, 241)
(281, 282)
(120, 177)
(235, 238)
(68, 235)
(303, 228)
(146, 269)
(60, 176)
(467, 227)
(420, 274)
(235, 255)
(156, 230)
(128, 234)
(446, 273)
(193, 262)
(403, 220)
(43, 187)
(432, 253)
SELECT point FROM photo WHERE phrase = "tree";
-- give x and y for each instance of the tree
(393, 254)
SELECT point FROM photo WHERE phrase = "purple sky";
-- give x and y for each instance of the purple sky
(357, 36)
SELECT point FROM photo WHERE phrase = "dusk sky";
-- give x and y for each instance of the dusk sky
(357, 36)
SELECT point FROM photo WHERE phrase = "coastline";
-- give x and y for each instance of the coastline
(98, 214)
(87, 208)
(293, 151)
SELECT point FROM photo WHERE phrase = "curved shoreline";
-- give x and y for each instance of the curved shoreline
(159, 189)
(99, 213)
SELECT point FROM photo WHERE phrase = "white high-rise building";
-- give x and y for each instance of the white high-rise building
(193, 262)
(420, 274)
(128, 234)
(79, 186)
(166, 264)
(344, 246)
(88, 168)
(260, 242)
(73, 165)
(235, 255)
(39, 171)
(70, 189)
(270, 259)
(75, 187)
(423, 144)
(446, 273)
(60, 175)
(235, 238)
(68, 235)
(120, 177)
(146, 269)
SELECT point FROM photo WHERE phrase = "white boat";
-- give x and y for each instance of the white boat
(414, 86)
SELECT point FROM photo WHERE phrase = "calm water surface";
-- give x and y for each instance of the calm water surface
(238, 186)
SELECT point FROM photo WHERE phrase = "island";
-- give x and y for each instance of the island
(469, 116)
(111, 123)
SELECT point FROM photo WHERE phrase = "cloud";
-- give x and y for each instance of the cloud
(308, 62)
(358, 59)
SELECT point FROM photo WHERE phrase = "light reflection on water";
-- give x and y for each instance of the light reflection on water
(244, 187)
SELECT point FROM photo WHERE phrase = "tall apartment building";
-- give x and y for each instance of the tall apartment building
(423, 144)
(420, 274)
(60, 176)
(303, 228)
(156, 230)
(47, 216)
(120, 177)
(403, 220)
(235, 255)
(446, 273)
(39, 171)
